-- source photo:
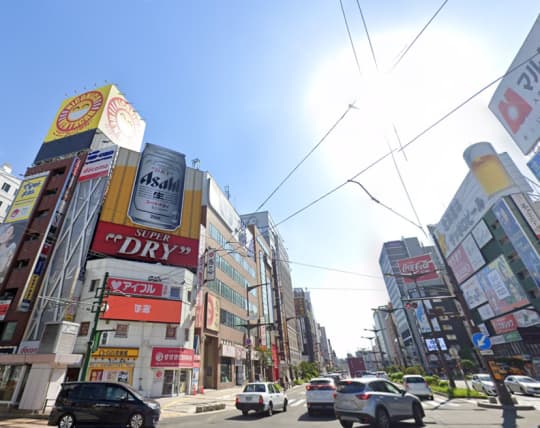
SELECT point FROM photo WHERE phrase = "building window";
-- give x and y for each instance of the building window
(42, 213)
(225, 370)
(451, 337)
(121, 330)
(93, 285)
(447, 327)
(6, 187)
(21, 264)
(83, 329)
(170, 331)
(8, 331)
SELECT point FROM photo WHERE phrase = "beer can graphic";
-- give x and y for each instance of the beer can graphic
(487, 168)
(158, 189)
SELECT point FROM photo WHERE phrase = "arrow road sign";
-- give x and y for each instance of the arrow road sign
(481, 341)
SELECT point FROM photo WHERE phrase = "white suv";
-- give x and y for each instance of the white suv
(320, 394)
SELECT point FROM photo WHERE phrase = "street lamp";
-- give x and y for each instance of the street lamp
(400, 356)
(375, 331)
(374, 353)
(249, 327)
(441, 357)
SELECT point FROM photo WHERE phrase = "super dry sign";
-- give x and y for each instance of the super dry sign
(145, 245)
(138, 309)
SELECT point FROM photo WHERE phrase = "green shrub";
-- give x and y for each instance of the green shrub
(432, 380)
(414, 370)
(396, 377)
(443, 383)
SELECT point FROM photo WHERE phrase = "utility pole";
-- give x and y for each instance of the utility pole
(249, 326)
(95, 335)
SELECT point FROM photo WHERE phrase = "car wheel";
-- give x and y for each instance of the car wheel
(136, 420)
(244, 412)
(382, 420)
(270, 410)
(418, 415)
(345, 424)
(66, 421)
(285, 405)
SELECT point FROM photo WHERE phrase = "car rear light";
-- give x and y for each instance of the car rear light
(363, 396)
(309, 387)
(335, 395)
(237, 399)
(261, 400)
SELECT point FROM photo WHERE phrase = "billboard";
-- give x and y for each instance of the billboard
(212, 312)
(172, 357)
(534, 165)
(79, 117)
(133, 287)
(422, 319)
(473, 293)
(98, 164)
(420, 268)
(140, 309)
(514, 102)
(481, 188)
(528, 212)
(466, 259)
(432, 346)
(138, 219)
(26, 198)
(523, 246)
(501, 287)
(4, 307)
(481, 234)
(504, 324)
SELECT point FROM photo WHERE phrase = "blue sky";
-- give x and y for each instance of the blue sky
(249, 87)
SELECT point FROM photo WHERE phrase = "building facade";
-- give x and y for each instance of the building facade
(9, 184)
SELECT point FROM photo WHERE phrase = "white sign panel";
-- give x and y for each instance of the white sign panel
(473, 253)
(481, 234)
(473, 293)
(486, 312)
(514, 102)
(526, 317)
(528, 212)
(470, 203)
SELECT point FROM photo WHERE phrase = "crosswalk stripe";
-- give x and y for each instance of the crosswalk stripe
(297, 403)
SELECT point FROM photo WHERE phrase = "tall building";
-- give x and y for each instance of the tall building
(9, 184)
(488, 237)
(289, 348)
(308, 325)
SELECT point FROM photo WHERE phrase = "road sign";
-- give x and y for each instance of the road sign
(481, 341)
(487, 352)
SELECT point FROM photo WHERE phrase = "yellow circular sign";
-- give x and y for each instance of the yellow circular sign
(78, 112)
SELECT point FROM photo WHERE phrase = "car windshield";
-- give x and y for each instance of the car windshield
(484, 377)
(350, 387)
(526, 379)
(416, 379)
(320, 381)
(255, 387)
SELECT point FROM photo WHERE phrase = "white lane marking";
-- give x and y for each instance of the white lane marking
(297, 403)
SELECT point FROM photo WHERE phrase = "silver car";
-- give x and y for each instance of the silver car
(376, 402)
(483, 383)
(523, 384)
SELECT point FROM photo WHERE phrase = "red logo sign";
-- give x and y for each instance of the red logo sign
(137, 309)
(145, 245)
(172, 357)
(420, 268)
(133, 287)
(504, 324)
(514, 109)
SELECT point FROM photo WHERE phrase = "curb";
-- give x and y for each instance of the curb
(209, 407)
(500, 406)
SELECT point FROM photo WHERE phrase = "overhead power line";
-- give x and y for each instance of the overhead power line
(418, 36)
(350, 37)
(308, 155)
(368, 37)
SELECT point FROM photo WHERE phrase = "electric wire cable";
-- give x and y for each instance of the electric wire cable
(470, 98)
(349, 107)
(400, 58)
(350, 37)
(367, 35)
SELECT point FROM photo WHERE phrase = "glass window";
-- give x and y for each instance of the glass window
(84, 327)
(93, 391)
(116, 393)
(170, 331)
(350, 387)
(6, 187)
(271, 389)
(121, 330)
(94, 284)
(390, 388)
(8, 331)
(225, 369)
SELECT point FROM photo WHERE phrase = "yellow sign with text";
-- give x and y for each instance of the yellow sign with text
(116, 353)
(26, 198)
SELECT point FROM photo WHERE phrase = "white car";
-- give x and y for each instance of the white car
(320, 394)
(483, 383)
(261, 397)
(417, 385)
(523, 384)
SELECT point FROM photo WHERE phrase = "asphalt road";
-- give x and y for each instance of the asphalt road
(459, 413)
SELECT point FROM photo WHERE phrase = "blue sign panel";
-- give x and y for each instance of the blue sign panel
(534, 165)
(481, 341)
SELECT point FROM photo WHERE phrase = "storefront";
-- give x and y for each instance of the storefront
(227, 364)
(113, 364)
(172, 369)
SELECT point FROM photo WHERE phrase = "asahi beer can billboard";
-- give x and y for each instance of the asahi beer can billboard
(158, 189)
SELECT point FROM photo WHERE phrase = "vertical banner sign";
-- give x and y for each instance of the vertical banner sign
(514, 102)
(211, 265)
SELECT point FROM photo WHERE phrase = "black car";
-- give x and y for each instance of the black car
(103, 404)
